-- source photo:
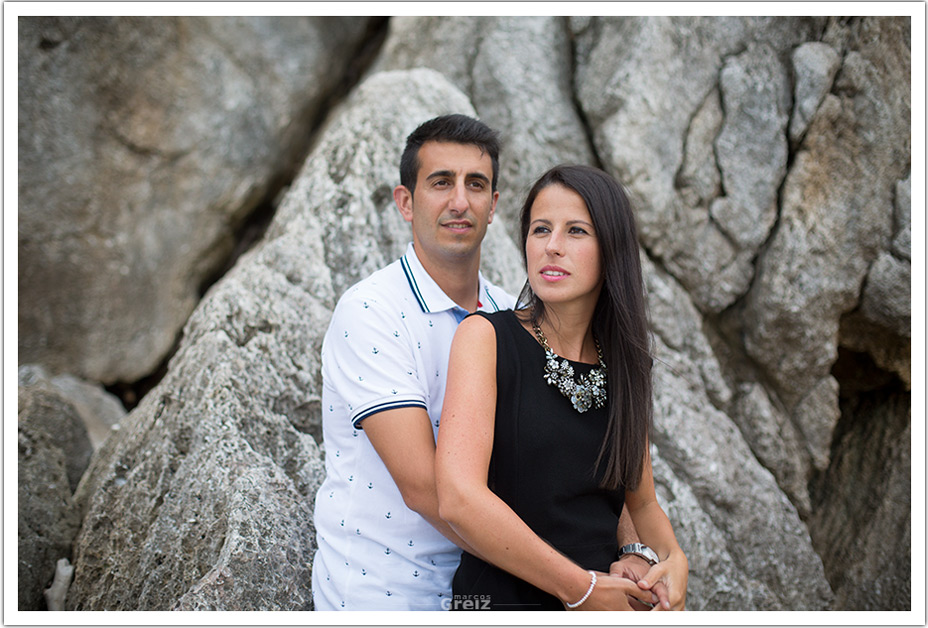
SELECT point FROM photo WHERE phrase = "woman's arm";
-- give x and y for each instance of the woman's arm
(474, 512)
(655, 531)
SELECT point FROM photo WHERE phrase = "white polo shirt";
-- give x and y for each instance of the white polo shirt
(386, 347)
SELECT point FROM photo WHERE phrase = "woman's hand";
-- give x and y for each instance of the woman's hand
(671, 574)
(611, 593)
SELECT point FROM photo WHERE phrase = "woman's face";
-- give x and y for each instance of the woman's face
(562, 249)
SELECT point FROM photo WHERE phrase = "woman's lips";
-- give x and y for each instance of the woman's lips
(553, 273)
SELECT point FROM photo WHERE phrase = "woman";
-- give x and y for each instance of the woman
(547, 414)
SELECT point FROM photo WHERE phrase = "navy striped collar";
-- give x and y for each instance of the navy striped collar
(428, 294)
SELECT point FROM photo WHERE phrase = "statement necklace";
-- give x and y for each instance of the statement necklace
(589, 390)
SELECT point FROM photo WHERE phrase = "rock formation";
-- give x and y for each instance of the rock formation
(769, 162)
(144, 143)
(61, 420)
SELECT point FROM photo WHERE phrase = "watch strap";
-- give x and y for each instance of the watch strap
(642, 550)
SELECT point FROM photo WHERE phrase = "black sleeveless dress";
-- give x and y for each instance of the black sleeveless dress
(542, 466)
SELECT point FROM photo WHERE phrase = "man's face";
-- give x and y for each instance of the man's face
(453, 202)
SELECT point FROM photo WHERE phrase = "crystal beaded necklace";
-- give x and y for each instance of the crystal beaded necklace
(588, 390)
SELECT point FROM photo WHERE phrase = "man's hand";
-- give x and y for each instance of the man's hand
(635, 568)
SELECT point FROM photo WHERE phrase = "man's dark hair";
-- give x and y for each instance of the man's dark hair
(455, 128)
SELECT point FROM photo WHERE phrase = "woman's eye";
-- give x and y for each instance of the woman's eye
(577, 230)
(540, 229)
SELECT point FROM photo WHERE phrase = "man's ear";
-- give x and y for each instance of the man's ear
(403, 199)
(493, 207)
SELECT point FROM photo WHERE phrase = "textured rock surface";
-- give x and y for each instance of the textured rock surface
(53, 451)
(143, 145)
(769, 160)
(733, 518)
(691, 114)
(859, 498)
(45, 407)
(47, 518)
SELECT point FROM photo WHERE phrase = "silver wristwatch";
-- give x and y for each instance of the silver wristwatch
(642, 550)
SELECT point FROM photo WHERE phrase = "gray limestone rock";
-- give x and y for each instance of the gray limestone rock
(52, 452)
(836, 217)
(144, 143)
(691, 114)
(61, 421)
(902, 219)
(47, 408)
(729, 494)
(887, 298)
(865, 541)
(751, 145)
(814, 67)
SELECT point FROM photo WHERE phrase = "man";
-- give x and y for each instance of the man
(381, 543)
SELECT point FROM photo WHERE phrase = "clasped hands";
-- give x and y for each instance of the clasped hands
(633, 585)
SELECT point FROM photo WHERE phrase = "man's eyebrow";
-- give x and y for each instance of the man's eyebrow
(478, 175)
(450, 173)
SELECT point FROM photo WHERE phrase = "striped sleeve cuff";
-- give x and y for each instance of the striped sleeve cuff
(392, 404)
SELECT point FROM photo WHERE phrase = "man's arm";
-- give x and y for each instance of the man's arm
(403, 439)
(632, 566)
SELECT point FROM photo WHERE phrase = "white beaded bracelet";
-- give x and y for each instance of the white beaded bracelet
(587, 594)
